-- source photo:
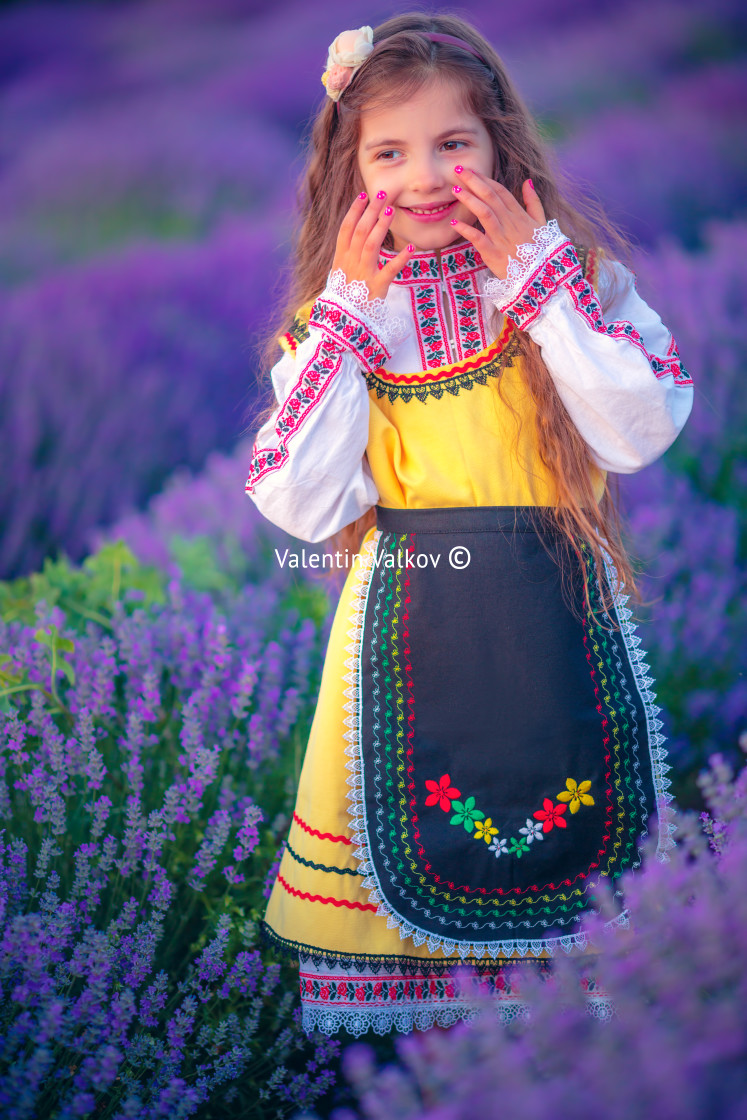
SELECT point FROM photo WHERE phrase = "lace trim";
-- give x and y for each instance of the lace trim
(385, 964)
(545, 241)
(329, 1020)
(510, 948)
(666, 816)
(376, 313)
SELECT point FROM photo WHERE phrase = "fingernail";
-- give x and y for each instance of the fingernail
(388, 210)
(459, 169)
(410, 248)
(456, 189)
(363, 195)
(453, 221)
(381, 194)
(531, 184)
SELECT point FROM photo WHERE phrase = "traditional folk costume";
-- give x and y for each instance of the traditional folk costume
(485, 746)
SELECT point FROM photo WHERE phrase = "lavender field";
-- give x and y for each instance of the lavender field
(158, 670)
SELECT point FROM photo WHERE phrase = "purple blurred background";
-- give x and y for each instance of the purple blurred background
(148, 156)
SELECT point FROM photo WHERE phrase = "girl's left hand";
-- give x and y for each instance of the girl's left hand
(506, 223)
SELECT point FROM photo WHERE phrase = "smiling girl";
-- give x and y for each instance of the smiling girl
(464, 362)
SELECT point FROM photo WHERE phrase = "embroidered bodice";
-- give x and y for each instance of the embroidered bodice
(418, 400)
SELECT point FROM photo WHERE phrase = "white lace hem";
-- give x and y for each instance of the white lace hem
(545, 241)
(389, 328)
(382, 1020)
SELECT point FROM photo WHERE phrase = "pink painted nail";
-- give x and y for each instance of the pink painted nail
(381, 194)
(363, 195)
(388, 210)
(531, 184)
(456, 189)
(410, 248)
(453, 221)
(459, 169)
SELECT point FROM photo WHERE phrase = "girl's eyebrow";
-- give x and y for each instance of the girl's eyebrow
(441, 136)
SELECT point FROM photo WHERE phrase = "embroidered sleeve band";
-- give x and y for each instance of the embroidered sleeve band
(313, 381)
(364, 326)
(544, 262)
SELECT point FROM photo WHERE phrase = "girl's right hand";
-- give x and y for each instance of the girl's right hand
(359, 242)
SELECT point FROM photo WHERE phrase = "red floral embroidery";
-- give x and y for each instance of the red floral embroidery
(442, 793)
(551, 814)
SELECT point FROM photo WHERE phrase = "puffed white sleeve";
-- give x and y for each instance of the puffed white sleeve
(619, 374)
(308, 473)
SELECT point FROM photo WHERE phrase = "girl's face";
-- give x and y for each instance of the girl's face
(410, 151)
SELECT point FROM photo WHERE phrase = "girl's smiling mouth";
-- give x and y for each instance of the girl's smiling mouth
(432, 213)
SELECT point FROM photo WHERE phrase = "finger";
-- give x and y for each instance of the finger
(375, 239)
(490, 190)
(481, 209)
(397, 263)
(470, 233)
(351, 219)
(367, 221)
(532, 203)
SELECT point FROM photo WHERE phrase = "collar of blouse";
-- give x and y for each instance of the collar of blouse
(437, 264)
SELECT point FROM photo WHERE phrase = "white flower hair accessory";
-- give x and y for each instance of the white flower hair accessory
(348, 52)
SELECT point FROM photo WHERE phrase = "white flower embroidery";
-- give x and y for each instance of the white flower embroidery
(499, 845)
(533, 830)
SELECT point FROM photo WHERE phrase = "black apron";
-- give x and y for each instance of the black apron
(506, 753)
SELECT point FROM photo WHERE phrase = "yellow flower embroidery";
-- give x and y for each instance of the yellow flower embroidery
(576, 794)
(484, 830)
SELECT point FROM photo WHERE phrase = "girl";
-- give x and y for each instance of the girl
(464, 366)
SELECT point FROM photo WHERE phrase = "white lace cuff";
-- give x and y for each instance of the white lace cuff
(367, 327)
(543, 263)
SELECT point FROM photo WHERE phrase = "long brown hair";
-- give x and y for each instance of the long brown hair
(398, 69)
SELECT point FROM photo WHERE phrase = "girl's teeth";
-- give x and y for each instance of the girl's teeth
(437, 210)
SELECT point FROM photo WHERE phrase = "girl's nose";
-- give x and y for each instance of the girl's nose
(426, 176)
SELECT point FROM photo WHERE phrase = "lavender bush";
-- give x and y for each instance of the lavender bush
(113, 372)
(150, 738)
(676, 1046)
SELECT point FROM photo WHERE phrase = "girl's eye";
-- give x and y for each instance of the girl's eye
(395, 151)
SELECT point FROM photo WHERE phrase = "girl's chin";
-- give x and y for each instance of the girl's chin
(429, 240)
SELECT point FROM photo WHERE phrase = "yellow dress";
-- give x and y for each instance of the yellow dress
(457, 434)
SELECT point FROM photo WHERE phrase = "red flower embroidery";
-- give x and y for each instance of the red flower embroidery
(324, 992)
(378, 986)
(347, 330)
(334, 316)
(551, 814)
(360, 993)
(341, 988)
(442, 793)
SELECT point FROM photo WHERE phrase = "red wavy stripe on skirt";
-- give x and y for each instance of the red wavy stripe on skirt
(318, 898)
(322, 835)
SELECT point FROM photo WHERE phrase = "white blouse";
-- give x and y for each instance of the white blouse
(619, 375)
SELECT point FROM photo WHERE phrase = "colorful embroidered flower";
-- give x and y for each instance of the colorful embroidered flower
(466, 814)
(533, 830)
(499, 846)
(577, 795)
(443, 793)
(484, 830)
(518, 847)
(551, 815)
